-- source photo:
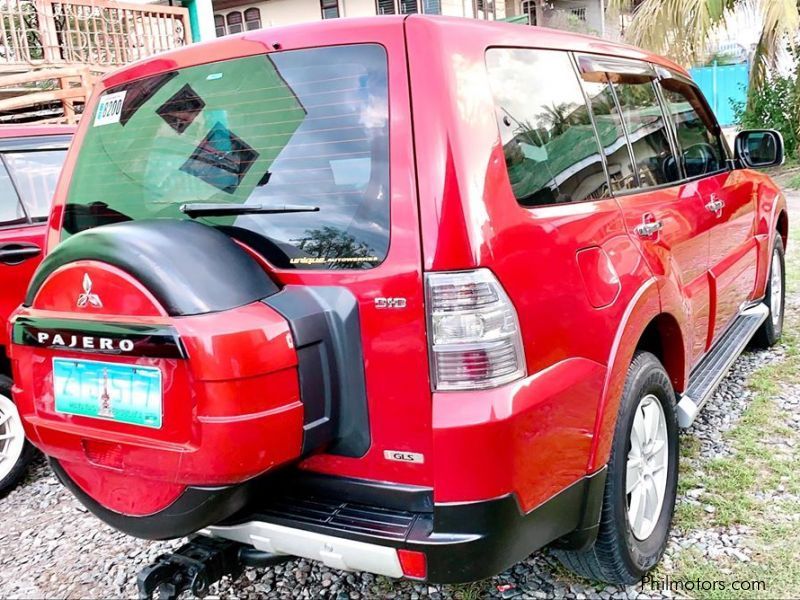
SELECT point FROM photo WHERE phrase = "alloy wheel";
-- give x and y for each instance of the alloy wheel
(12, 436)
(646, 474)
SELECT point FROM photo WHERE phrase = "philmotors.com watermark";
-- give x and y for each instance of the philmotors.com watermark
(663, 584)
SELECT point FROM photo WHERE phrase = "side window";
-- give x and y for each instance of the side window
(550, 147)
(607, 119)
(252, 19)
(698, 133)
(330, 9)
(10, 209)
(219, 25)
(647, 129)
(234, 22)
(35, 175)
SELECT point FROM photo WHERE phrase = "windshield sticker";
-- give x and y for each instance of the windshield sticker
(140, 92)
(181, 109)
(313, 260)
(109, 109)
(222, 159)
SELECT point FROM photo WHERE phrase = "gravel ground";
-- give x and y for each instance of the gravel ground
(50, 547)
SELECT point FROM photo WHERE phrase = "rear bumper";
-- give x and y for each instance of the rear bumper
(462, 542)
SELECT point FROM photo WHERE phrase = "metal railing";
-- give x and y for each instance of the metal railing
(43, 33)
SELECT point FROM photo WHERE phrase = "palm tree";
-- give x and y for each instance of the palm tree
(680, 28)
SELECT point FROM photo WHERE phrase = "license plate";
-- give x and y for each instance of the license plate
(116, 392)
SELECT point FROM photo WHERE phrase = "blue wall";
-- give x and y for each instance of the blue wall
(721, 85)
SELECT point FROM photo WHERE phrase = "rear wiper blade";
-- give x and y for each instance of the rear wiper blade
(200, 209)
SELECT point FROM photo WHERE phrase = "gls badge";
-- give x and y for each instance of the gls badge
(403, 456)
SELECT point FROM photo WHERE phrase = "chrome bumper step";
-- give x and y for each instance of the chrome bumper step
(712, 369)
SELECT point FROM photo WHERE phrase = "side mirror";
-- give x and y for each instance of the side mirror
(758, 148)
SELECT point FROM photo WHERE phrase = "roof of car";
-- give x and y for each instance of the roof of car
(510, 34)
(500, 34)
(20, 131)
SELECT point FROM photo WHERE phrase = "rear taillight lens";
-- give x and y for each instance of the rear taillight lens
(473, 331)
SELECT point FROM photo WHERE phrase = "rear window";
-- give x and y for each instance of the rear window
(304, 128)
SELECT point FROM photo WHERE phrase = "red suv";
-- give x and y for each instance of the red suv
(30, 162)
(409, 295)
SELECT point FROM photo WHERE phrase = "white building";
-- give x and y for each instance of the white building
(234, 16)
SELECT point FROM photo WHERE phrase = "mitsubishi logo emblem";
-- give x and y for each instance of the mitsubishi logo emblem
(87, 297)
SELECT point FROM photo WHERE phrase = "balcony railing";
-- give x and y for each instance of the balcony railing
(101, 33)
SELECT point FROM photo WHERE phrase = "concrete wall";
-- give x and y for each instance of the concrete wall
(282, 12)
(287, 12)
(556, 11)
(594, 11)
(357, 8)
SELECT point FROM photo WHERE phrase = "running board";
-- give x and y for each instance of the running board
(712, 369)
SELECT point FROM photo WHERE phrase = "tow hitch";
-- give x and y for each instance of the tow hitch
(197, 565)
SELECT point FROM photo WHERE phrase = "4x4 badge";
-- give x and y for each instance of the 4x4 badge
(87, 297)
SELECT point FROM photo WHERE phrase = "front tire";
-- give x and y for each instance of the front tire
(775, 298)
(641, 485)
(16, 453)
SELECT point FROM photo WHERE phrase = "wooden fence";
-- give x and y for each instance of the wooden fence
(46, 33)
(52, 50)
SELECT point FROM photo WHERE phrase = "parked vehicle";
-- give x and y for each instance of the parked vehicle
(30, 162)
(414, 296)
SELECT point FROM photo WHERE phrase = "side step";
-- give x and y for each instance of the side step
(712, 369)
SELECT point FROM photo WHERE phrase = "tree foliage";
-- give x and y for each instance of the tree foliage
(775, 105)
(680, 28)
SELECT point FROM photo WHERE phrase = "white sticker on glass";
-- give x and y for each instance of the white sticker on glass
(109, 109)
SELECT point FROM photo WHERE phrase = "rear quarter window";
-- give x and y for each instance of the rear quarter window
(300, 127)
(550, 146)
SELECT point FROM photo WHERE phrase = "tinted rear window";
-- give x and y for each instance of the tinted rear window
(302, 127)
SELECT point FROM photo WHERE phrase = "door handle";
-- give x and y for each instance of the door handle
(715, 206)
(13, 254)
(648, 230)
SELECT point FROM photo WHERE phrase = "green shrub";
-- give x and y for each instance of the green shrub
(775, 104)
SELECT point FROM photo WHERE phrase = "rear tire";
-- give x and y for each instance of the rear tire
(16, 453)
(641, 485)
(775, 298)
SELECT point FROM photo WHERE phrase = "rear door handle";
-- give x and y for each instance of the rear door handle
(715, 206)
(13, 254)
(648, 230)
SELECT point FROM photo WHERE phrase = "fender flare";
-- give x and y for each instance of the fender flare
(645, 306)
(770, 205)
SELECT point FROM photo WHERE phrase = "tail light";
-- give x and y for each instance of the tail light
(473, 331)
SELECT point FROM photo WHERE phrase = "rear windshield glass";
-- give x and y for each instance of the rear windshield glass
(304, 128)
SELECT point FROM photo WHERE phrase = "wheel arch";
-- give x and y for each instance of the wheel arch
(782, 226)
(645, 326)
(663, 338)
(5, 362)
